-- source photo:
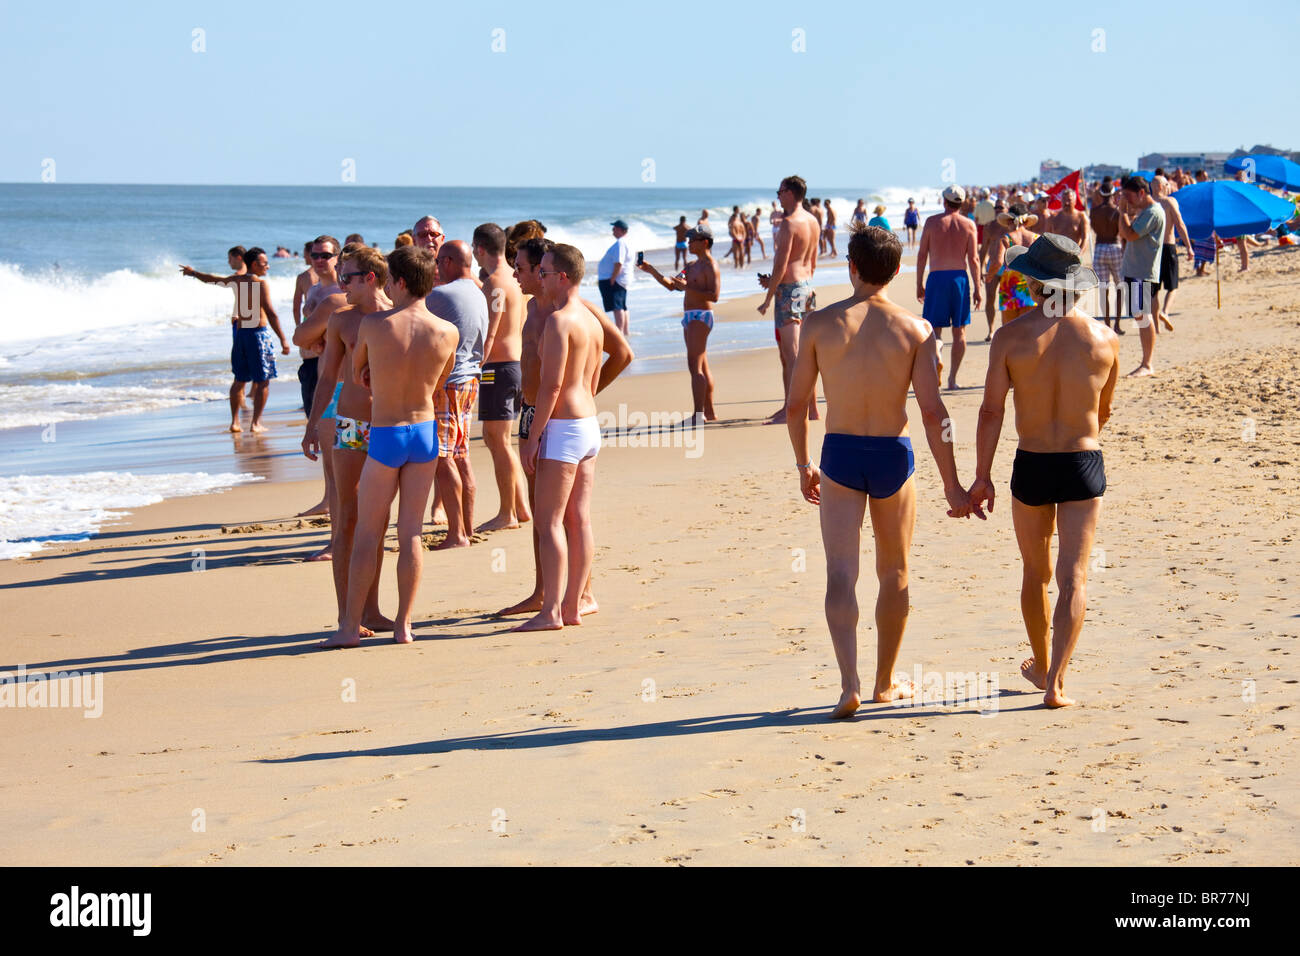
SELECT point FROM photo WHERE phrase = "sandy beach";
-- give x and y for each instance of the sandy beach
(686, 722)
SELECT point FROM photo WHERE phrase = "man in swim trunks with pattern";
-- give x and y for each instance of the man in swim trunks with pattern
(1062, 366)
(702, 283)
(404, 355)
(500, 387)
(794, 261)
(528, 259)
(363, 275)
(564, 440)
(948, 247)
(868, 351)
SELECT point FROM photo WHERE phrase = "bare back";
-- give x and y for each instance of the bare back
(530, 354)
(1062, 372)
(572, 343)
(800, 232)
(409, 353)
(865, 351)
(506, 310)
(354, 399)
(946, 241)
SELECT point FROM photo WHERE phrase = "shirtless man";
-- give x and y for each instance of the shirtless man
(750, 235)
(702, 283)
(679, 246)
(829, 232)
(736, 228)
(758, 236)
(500, 388)
(308, 370)
(868, 351)
(428, 234)
(775, 219)
(528, 258)
(948, 247)
(993, 233)
(1174, 227)
(815, 208)
(252, 355)
(363, 275)
(1063, 366)
(404, 354)
(794, 261)
(1107, 253)
(1068, 221)
(563, 441)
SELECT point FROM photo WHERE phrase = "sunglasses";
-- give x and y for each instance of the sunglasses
(323, 255)
(553, 272)
(346, 277)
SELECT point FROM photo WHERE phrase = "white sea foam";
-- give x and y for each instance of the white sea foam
(22, 405)
(37, 509)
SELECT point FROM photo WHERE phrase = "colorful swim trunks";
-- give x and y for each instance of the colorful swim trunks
(794, 300)
(1013, 295)
(455, 413)
(352, 434)
(698, 315)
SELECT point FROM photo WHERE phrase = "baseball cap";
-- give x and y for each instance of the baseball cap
(699, 232)
(619, 224)
(954, 194)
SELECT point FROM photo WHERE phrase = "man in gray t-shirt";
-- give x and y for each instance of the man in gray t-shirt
(1142, 226)
(460, 301)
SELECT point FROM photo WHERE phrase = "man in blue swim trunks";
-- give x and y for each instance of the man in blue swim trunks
(868, 351)
(948, 246)
(404, 355)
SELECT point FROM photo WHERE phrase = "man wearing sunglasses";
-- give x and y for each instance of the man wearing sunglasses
(362, 274)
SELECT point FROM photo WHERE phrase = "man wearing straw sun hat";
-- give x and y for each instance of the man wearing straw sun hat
(1062, 366)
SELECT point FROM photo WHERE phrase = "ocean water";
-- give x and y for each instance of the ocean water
(97, 322)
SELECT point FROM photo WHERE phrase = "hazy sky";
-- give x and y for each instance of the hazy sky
(584, 94)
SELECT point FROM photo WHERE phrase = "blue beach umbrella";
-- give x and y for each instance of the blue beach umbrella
(1146, 174)
(1230, 209)
(1270, 170)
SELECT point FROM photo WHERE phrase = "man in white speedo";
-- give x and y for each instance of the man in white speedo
(564, 440)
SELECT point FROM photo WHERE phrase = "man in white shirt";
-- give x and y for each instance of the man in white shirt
(613, 275)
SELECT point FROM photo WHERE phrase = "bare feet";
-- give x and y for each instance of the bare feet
(376, 622)
(530, 604)
(570, 618)
(341, 640)
(1031, 672)
(1167, 324)
(777, 419)
(587, 605)
(437, 517)
(898, 689)
(236, 427)
(449, 542)
(324, 554)
(543, 622)
(499, 523)
(258, 427)
(1055, 696)
(848, 705)
(321, 509)
(1142, 371)
(403, 635)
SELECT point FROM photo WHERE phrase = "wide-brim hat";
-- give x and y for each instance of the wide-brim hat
(1106, 189)
(1011, 220)
(879, 210)
(1055, 261)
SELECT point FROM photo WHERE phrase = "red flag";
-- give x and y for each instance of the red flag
(1072, 182)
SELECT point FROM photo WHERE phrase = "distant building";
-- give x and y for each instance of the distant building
(1100, 171)
(1212, 163)
(1049, 171)
(1265, 150)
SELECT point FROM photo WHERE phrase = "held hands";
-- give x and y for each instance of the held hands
(960, 504)
(981, 492)
(810, 483)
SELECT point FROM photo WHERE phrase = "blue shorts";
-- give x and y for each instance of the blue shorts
(698, 315)
(680, 245)
(947, 298)
(612, 295)
(877, 467)
(252, 357)
(397, 445)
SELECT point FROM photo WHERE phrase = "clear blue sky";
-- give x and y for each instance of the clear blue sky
(584, 92)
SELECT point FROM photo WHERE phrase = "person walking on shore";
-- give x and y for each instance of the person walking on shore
(948, 247)
(794, 261)
(1174, 228)
(1107, 253)
(1061, 366)
(701, 282)
(868, 352)
(614, 273)
(911, 219)
(1142, 226)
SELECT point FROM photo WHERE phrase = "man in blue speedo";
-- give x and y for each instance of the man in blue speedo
(948, 246)
(868, 351)
(403, 356)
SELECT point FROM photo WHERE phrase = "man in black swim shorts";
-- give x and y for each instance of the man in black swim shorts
(1062, 366)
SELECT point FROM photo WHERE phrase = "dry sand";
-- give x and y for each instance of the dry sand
(686, 722)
